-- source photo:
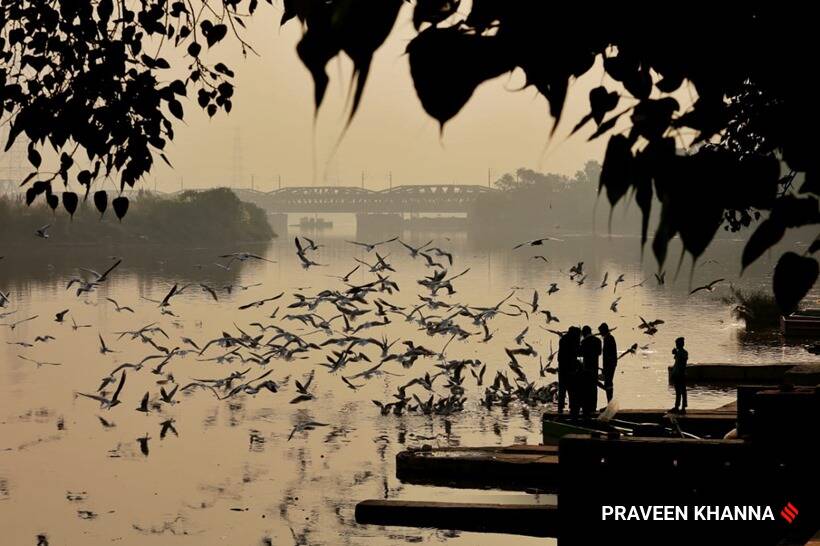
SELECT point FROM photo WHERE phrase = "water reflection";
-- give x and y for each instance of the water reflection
(205, 471)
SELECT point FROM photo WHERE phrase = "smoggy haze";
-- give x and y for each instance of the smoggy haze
(500, 129)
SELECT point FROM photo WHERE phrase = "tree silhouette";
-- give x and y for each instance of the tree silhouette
(74, 74)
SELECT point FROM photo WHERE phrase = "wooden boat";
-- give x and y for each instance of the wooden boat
(650, 423)
(314, 223)
(555, 429)
(804, 323)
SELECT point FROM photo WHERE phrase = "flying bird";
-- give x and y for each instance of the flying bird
(75, 326)
(307, 425)
(143, 407)
(370, 247)
(43, 232)
(346, 277)
(38, 362)
(103, 347)
(119, 308)
(708, 287)
(242, 257)
(13, 325)
(260, 303)
(414, 251)
(535, 242)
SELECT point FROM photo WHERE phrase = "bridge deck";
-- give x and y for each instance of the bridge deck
(401, 199)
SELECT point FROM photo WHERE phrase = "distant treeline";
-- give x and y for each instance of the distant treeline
(198, 218)
(531, 201)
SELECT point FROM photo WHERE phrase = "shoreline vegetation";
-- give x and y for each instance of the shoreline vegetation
(212, 217)
(758, 309)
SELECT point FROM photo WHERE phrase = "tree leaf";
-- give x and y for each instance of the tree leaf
(433, 11)
(120, 205)
(34, 156)
(216, 34)
(794, 276)
(52, 201)
(767, 234)
(70, 201)
(602, 101)
(101, 201)
(176, 108)
(615, 169)
(447, 65)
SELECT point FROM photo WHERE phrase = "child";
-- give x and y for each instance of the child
(679, 376)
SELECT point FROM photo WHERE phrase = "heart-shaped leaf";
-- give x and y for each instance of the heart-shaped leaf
(215, 34)
(616, 168)
(36, 189)
(70, 201)
(101, 201)
(34, 156)
(767, 234)
(52, 201)
(602, 101)
(794, 276)
(120, 205)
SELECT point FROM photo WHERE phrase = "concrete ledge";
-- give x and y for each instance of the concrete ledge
(538, 520)
(734, 373)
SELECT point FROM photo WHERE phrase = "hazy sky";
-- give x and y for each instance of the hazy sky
(270, 131)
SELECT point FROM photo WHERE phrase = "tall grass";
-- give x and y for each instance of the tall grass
(191, 218)
(756, 308)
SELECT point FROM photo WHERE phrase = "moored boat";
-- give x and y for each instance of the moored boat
(804, 323)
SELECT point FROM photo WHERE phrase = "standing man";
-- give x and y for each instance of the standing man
(568, 348)
(588, 385)
(679, 375)
(609, 359)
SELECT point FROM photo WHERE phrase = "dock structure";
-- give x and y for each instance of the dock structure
(772, 462)
(795, 373)
(538, 520)
(517, 468)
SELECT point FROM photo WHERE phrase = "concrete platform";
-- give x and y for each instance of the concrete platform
(511, 468)
(758, 374)
(538, 520)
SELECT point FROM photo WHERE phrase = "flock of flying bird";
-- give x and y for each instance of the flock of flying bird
(341, 323)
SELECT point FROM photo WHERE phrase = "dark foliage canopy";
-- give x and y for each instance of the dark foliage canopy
(80, 76)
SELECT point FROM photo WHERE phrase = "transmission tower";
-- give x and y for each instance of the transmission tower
(237, 159)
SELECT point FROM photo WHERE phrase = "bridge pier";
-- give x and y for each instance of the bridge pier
(379, 223)
(279, 223)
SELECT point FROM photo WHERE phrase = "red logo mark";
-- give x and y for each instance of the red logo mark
(789, 512)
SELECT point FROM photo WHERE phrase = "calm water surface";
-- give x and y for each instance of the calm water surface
(229, 475)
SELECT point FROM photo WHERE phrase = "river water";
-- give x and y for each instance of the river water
(229, 475)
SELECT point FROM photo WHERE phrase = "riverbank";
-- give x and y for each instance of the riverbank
(190, 218)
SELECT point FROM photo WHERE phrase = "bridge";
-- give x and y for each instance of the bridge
(435, 198)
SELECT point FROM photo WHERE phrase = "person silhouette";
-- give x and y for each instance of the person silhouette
(609, 360)
(568, 349)
(588, 383)
(678, 375)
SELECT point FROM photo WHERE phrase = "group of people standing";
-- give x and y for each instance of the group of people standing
(579, 351)
(579, 354)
